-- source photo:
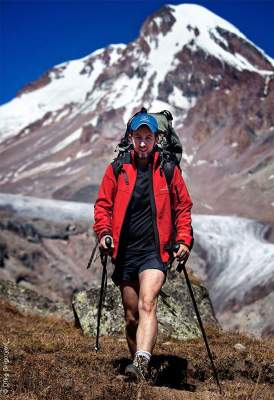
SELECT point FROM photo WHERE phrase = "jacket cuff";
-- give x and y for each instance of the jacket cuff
(182, 242)
(103, 234)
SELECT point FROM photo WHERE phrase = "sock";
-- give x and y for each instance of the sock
(144, 353)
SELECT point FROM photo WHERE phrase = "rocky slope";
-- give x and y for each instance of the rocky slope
(50, 253)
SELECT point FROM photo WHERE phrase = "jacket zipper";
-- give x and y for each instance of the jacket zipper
(154, 216)
(125, 212)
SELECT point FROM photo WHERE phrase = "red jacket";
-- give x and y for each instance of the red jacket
(114, 197)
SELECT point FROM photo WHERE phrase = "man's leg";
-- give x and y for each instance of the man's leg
(151, 281)
(129, 293)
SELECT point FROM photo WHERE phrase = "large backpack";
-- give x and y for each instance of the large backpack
(169, 146)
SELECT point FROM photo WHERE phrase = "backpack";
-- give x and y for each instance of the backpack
(169, 146)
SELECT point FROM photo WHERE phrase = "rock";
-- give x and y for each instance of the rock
(21, 228)
(29, 302)
(178, 319)
(176, 316)
(239, 347)
(85, 305)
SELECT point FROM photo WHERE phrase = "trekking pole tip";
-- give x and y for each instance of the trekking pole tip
(97, 348)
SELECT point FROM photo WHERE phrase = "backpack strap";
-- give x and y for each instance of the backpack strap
(168, 168)
(117, 165)
(118, 162)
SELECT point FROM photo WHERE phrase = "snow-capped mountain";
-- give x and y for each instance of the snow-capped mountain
(59, 132)
(156, 53)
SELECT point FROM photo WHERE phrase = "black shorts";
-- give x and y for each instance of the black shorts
(129, 268)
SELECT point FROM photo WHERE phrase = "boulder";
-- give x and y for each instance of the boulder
(29, 302)
(175, 312)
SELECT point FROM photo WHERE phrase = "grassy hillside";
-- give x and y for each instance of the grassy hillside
(44, 358)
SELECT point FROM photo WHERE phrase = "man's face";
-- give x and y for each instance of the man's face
(143, 141)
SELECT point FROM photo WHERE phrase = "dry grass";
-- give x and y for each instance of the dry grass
(50, 359)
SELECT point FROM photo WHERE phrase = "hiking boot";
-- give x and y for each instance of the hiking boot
(132, 372)
(138, 370)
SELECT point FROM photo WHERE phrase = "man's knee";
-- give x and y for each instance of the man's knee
(147, 304)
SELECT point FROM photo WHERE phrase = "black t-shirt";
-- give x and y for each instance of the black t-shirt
(137, 236)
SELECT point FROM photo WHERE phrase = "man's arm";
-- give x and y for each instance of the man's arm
(103, 206)
(182, 204)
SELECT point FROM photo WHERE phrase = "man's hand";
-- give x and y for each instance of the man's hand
(103, 245)
(183, 253)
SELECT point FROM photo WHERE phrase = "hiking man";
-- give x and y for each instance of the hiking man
(135, 211)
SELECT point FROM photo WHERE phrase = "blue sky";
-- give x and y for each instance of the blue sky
(38, 34)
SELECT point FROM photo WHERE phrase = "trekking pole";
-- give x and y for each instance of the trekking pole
(92, 255)
(181, 266)
(104, 257)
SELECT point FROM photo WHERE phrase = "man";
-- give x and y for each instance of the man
(135, 210)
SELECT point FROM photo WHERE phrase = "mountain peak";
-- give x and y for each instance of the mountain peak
(197, 15)
(196, 28)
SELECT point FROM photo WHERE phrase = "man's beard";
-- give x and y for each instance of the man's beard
(143, 154)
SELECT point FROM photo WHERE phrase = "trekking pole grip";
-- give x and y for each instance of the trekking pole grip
(180, 264)
(176, 247)
(108, 242)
